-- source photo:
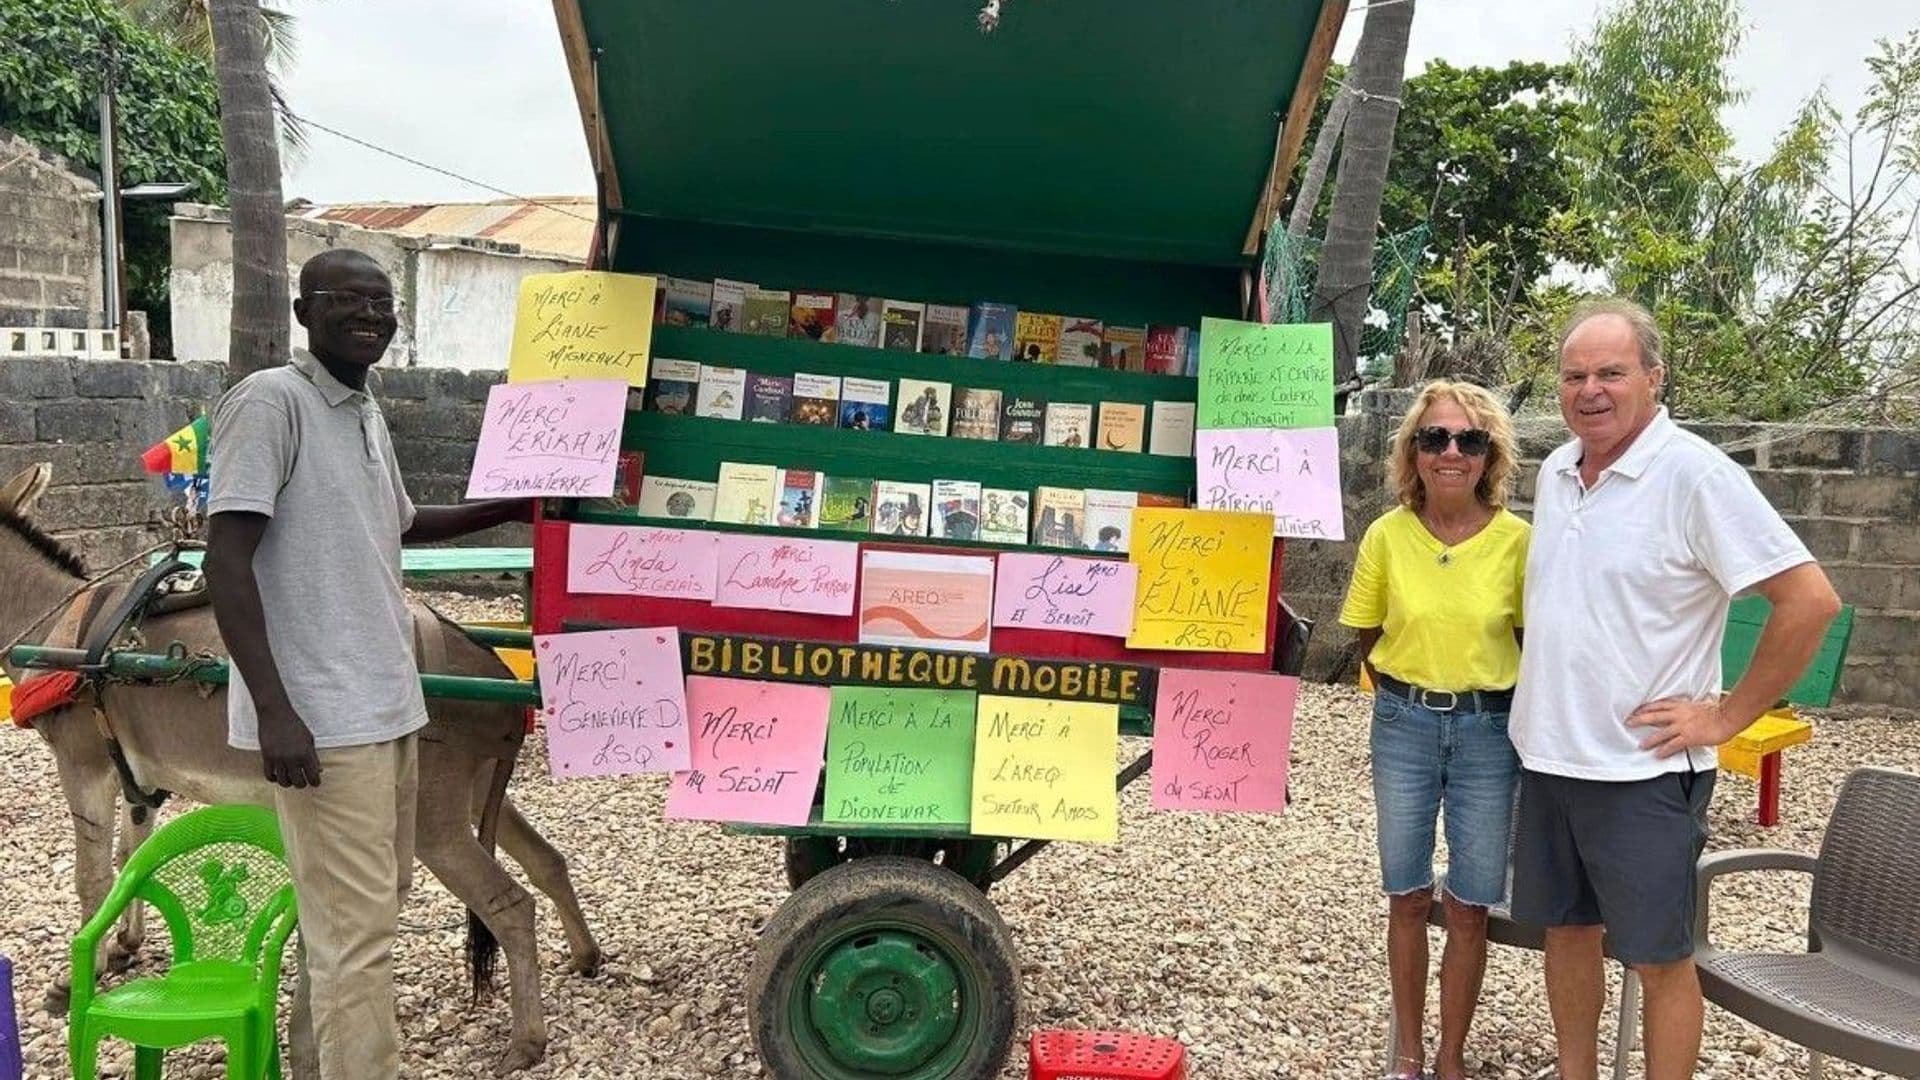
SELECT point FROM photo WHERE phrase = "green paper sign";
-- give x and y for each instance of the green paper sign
(1258, 375)
(899, 755)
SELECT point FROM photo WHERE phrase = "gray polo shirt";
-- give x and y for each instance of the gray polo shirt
(297, 445)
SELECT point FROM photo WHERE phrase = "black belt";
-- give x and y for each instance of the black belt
(1445, 700)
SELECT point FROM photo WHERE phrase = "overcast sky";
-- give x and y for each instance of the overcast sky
(479, 87)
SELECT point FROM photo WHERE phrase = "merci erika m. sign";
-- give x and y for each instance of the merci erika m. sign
(557, 438)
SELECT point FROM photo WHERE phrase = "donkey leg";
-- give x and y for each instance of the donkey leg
(92, 797)
(546, 868)
(132, 931)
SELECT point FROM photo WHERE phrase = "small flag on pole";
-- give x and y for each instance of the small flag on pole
(183, 453)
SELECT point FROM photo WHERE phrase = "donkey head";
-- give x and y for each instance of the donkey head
(24, 489)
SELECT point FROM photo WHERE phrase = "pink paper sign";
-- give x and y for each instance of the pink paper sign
(757, 751)
(1220, 740)
(549, 438)
(778, 573)
(1293, 475)
(926, 601)
(1060, 592)
(613, 702)
(638, 560)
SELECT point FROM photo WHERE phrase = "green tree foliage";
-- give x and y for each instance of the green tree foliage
(169, 130)
(187, 25)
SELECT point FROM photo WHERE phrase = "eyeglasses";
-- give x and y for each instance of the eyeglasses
(1473, 442)
(379, 305)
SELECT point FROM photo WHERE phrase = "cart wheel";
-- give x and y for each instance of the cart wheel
(884, 967)
(807, 856)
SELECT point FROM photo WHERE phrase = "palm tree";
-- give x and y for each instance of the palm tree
(187, 25)
(258, 335)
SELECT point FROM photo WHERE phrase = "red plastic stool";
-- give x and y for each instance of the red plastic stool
(1104, 1055)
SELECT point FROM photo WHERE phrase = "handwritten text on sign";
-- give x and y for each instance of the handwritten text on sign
(783, 574)
(633, 560)
(586, 324)
(1220, 740)
(1259, 375)
(553, 438)
(612, 702)
(1044, 769)
(1057, 592)
(1204, 576)
(757, 749)
(1293, 475)
(899, 755)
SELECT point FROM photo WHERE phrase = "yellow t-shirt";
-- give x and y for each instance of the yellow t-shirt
(1444, 625)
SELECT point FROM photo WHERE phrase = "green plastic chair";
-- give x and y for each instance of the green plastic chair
(218, 877)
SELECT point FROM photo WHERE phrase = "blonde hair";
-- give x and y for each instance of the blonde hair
(1486, 411)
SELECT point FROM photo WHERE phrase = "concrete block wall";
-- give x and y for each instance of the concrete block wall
(51, 272)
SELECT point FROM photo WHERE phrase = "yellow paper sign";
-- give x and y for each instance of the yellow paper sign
(1043, 769)
(1204, 579)
(582, 325)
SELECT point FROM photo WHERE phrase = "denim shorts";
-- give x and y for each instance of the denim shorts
(1426, 761)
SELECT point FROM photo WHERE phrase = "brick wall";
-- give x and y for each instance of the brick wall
(50, 268)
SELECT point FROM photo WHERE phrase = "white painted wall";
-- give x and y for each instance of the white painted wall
(463, 304)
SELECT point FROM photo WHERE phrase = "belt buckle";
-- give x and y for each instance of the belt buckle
(1453, 700)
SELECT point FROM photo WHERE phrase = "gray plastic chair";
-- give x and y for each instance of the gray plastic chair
(1855, 993)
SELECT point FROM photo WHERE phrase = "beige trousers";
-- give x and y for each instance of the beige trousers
(350, 845)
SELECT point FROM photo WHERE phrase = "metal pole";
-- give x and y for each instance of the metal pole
(110, 191)
(150, 666)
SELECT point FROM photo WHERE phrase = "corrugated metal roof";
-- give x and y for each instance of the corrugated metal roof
(561, 225)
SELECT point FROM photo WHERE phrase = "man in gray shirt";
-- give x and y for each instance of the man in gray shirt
(308, 513)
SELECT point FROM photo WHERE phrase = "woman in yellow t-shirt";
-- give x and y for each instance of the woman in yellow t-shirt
(1435, 597)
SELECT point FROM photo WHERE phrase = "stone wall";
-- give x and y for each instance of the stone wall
(51, 272)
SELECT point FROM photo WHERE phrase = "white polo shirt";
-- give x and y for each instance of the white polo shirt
(1628, 585)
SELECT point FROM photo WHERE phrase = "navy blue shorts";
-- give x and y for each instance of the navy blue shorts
(1614, 853)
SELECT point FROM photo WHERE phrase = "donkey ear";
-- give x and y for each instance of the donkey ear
(24, 489)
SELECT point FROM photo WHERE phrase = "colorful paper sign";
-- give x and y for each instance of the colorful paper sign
(757, 751)
(1220, 740)
(899, 755)
(584, 324)
(613, 702)
(1204, 578)
(1060, 592)
(1265, 375)
(1293, 475)
(638, 560)
(1043, 769)
(551, 438)
(939, 601)
(775, 573)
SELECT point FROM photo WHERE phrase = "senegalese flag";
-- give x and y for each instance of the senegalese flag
(183, 453)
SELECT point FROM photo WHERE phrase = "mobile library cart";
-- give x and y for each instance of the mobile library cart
(1117, 164)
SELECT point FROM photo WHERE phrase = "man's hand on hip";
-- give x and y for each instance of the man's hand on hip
(1680, 724)
(286, 749)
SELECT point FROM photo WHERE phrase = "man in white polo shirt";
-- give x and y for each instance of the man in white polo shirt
(1642, 535)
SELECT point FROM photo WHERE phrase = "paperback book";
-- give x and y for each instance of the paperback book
(1003, 515)
(945, 330)
(766, 312)
(990, 331)
(687, 302)
(723, 392)
(1124, 348)
(1036, 338)
(1109, 519)
(799, 499)
(1166, 350)
(856, 320)
(1023, 419)
(626, 486)
(747, 493)
(846, 504)
(1069, 424)
(923, 407)
(671, 386)
(900, 508)
(1122, 426)
(956, 509)
(816, 399)
(811, 316)
(672, 497)
(1172, 434)
(1059, 517)
(976, 413)
(769, 398)
(865, 404)
(900, 324)
(729, 297)
(1080, 342)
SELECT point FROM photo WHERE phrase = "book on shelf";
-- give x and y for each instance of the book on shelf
(1036, 338)
(1122, 426)
(1080, 342)
(1154, 498)
(944, 330)
(856, 320)
(1109, 519)
(811, 315)
(1172, 432)
(659, 295)
(1124, 348)
(900, 325)
(1023, 419)
(729, 297)
(672, 385)
(816, 399)
(923, 407)
(1003, 515)
(1166, 350)
(865, 404)
(799, 504)
(900, 508)
(976, 413)
(1069, 423)
(747, 493)
(1193, 353)
(846, 504)
(769, 398)
(626, 485)
(990, 331)
(766, 312)
(722, 393)
(956, 509)
(672, 497)
(1059, 517)
(687, 302)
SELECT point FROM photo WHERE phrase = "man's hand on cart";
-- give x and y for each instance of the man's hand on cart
(432, 523)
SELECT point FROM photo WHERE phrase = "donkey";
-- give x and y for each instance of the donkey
(174, 738)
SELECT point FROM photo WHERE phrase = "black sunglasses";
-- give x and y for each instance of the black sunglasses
(1473, 442)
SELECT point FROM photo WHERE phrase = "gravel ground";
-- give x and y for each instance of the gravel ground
(1259, 942)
